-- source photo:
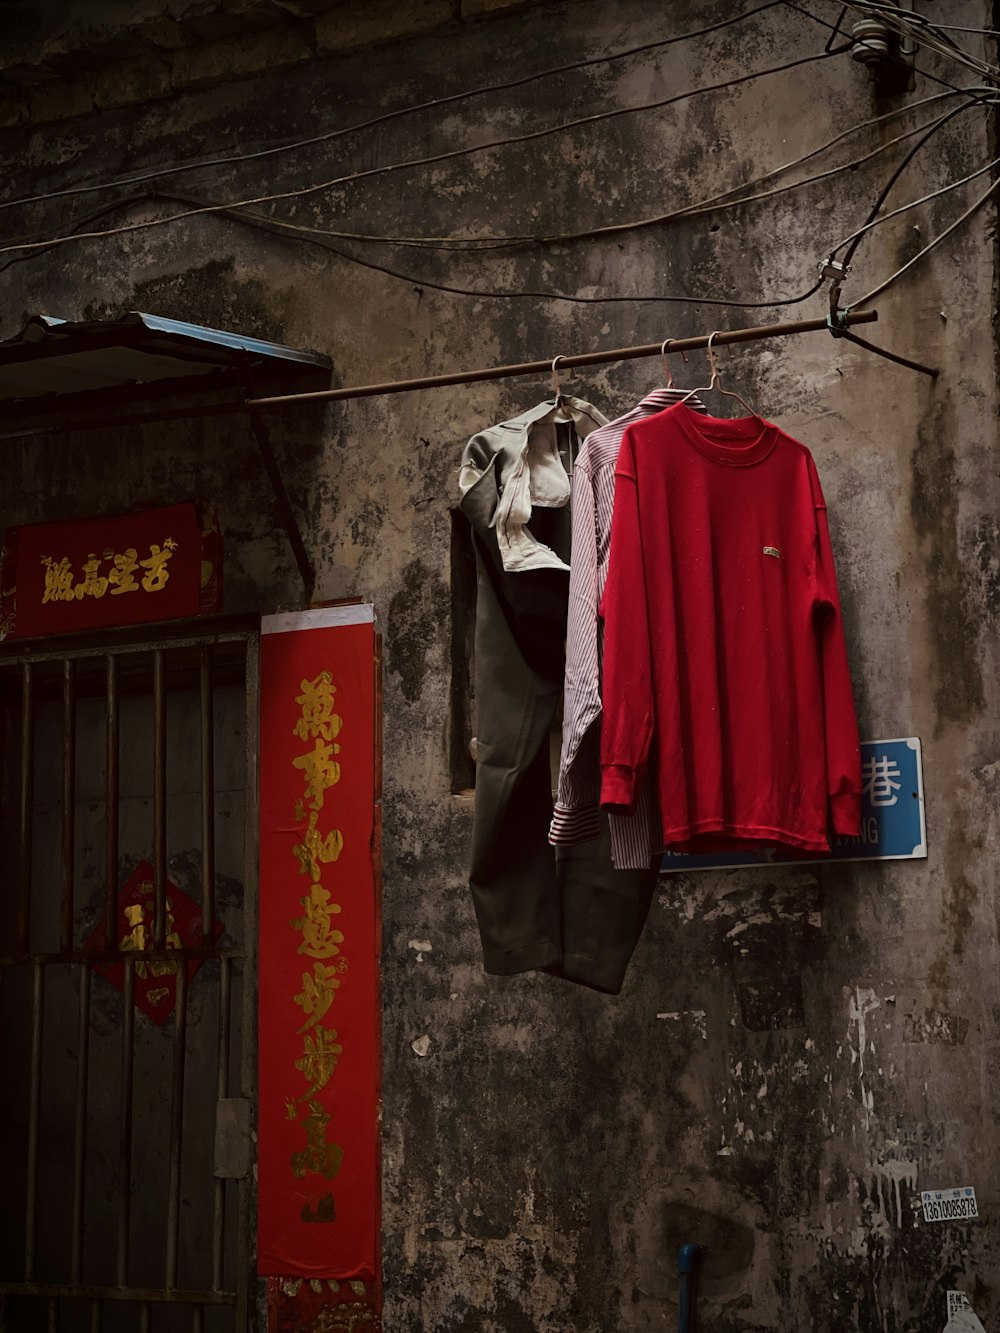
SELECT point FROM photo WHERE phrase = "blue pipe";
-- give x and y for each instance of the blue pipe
(687, 1268)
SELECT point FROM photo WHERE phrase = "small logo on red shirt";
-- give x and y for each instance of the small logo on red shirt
(772, 550)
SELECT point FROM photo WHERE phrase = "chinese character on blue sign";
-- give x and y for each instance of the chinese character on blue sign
(892, 816)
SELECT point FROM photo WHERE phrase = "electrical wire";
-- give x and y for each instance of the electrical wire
(835, 29)
(894, 177)
(423, 161)
(923, 33)
(915, 203)
(851, 241)
(420, 283)
(875, 291)
(276, 228)
(705, 207)
(279, 226)
(906, 23)
(434, 104)
(720, 202)
(953, 27)
(911, 16)
(475, 244)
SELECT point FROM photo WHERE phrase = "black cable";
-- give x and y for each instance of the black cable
(467, 245)
(920, 31)
(448, 156)
(78, 226)
(835, 28)
(723, 202)
(393, 115)
(895, 175)
(274, 229)
(718, 202)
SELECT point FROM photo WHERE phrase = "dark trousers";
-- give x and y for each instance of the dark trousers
(565, 910)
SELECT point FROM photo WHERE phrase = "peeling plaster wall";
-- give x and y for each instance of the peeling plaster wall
(797, 1052)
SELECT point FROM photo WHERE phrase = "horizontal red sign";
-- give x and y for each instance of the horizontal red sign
(155, 564)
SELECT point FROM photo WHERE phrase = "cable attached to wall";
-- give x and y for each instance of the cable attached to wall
(236, 210)
(714, 203)
(431, 160)
(433, 105)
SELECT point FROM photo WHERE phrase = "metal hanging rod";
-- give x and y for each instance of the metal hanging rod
(586, 359)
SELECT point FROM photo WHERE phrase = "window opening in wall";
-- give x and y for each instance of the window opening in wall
(127, 942)
(463, 649)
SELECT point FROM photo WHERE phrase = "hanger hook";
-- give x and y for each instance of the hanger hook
(668, 375)
(711, 355)
(556, 386)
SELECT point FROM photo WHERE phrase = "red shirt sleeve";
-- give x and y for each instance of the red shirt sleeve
(843, 751)
(627, 722)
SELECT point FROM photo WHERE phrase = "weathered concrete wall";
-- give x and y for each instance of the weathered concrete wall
(796, 1052)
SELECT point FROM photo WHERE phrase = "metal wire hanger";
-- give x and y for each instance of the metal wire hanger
(716, 381)
(668, 374)
(562, 412)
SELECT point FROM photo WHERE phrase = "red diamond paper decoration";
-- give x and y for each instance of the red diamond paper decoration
(155, 979)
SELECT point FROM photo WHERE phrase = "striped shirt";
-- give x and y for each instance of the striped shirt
(635, 838)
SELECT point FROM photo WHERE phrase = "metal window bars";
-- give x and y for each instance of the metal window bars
(113, 754)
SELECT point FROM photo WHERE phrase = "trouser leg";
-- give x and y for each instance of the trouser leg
(513, 871)
(603, 912)
(520, 632)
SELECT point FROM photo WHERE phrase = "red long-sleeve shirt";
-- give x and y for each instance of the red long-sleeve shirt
(724, 658)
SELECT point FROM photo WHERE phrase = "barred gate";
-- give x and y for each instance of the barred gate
(127, 982)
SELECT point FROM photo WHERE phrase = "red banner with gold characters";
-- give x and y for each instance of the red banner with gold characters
(155, 982)
(127, 569)
(319, 1057)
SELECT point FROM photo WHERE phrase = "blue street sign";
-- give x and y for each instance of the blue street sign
(892, 817)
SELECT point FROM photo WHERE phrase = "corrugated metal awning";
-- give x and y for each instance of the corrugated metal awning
(74, 371)
(53, 358)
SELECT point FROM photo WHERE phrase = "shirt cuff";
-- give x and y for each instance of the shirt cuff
(619, 788)
(846, 812)
(572, 826)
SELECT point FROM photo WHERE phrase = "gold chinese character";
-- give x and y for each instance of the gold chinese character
(318, 718)
(136, 938)
(122, 574)
(320, 769)
(317, 994)
(58, 580)
(93, 585)
(320, 1158)
(314, 849)
(156, 565)
(319, 939)
(320, 1059)
(140, 937)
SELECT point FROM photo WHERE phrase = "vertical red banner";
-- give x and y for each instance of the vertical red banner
(319, 1057)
